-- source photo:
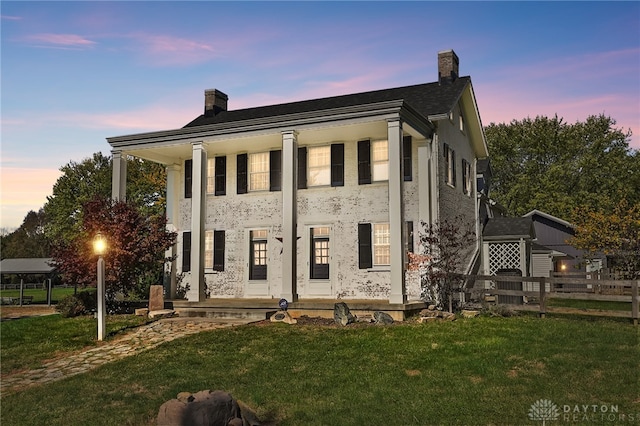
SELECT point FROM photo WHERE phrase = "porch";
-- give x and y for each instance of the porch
(260, 309)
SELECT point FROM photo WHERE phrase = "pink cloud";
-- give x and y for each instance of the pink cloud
(61, 40)
(31, 194)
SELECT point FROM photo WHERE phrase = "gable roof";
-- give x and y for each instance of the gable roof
(547, 216)
(26, 266)
(499, 228)
(430, 99)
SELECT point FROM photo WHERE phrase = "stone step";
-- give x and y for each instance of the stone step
(228, 313)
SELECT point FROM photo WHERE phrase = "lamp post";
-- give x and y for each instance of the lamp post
(100, 247)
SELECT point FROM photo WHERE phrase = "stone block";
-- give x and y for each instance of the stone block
(142, 312)
(156, 298)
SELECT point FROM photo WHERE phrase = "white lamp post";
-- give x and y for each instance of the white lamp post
(100, 247)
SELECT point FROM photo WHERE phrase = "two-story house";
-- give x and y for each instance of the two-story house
(318, 199)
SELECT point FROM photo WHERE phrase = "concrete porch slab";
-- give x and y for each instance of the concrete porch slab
(260, 309)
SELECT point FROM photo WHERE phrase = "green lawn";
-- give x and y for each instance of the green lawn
(25, 343)
(39, 294)
(470, 371)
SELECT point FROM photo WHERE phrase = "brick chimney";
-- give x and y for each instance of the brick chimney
(448, 63)
(214, 102)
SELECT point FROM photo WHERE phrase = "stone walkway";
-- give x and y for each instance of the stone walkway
(142, 338)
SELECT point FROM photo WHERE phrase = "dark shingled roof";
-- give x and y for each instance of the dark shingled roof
(428, 99)
(26, 266)
(509, 227)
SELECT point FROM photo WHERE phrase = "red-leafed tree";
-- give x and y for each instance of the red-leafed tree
(445, 246)
(136, 243)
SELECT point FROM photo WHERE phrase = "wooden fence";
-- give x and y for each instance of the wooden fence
(532, 293)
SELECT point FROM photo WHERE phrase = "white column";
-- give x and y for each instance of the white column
(396, 213)
(119, 176)
(289, 215)
(198, 196)
(434, 183)
(424, 183)
(173, 195)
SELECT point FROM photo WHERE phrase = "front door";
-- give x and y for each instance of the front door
(319, 283)
(258, 284)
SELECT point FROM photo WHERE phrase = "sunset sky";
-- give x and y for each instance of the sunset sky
(75, 73)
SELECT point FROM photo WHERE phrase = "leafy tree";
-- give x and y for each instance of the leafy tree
(445, 247)
(136, 248)
(29, 240)
(547, 164)
(615, 234)
(81, 182)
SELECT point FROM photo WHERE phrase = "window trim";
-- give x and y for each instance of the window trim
(313, 270)
(211, 175)
(251, 173)
(326, 168)
(374, 244)
(467, 181)
(253, 240)
(450, 165)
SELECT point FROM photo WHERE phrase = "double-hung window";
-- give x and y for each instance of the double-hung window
(319, 158)
(373, 245)
(373, 161)
(381, 244)
(258, 254)
(211, 175)
(259, 171)
(467, 181)
(321, 165)
(450, 165)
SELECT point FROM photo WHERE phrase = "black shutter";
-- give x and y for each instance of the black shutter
(242, 173)
(364, 162)
(410, 236)
(337, 164)
(406, 153)
(364, 246)
(186, 251)
(302, 167)
(221, 176)
(453, 167)
(275, 170)
(464, 176)
(188, 178)
(218, 250)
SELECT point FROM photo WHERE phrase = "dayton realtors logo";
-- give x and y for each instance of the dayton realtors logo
(545, 410)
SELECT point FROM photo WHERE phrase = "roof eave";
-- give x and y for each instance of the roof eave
(275, 123)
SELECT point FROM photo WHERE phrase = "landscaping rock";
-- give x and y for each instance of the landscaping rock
(470, 314)
(428, 315)
(283, 316)
(342, 315)
(205, 408)
(382, 318)
(142, 312)
(163, 313)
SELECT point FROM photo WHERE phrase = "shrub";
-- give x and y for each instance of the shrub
(81, 303)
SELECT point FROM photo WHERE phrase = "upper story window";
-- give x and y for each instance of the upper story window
(321, 165)
(259, 171)
(373, 161)
(319, 158)
(461, 121)
(211, 175)
(450, 165)
(467, 180)
(380, 163)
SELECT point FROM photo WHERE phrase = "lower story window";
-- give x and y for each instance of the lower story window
(381, 252)
(320, 253)
(258, 254)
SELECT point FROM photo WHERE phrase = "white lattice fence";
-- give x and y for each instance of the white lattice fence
(503, 256)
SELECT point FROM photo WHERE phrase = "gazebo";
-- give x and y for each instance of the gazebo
(28, 266)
